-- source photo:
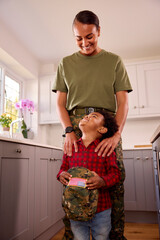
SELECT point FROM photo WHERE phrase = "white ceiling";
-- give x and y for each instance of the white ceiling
(128, 28)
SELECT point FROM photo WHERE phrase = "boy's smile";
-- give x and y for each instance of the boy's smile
(92, 121)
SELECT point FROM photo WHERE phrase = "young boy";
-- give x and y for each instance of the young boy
(95, 126)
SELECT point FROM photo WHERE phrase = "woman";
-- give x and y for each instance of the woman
(87, 81)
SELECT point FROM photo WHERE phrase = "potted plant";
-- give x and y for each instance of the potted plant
(23, 105)
(5, 121)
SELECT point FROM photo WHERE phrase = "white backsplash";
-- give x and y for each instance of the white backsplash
(136, 132)
(139, 132)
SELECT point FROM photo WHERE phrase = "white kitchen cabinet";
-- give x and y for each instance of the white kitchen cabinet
(48, 191)
(16, 191)
(139, 183)
(47, 101)
(144, 101)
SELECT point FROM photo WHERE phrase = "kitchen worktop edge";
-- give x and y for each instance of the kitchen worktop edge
(28, 142)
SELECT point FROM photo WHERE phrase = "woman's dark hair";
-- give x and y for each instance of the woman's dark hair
(110, 123)
(87, 17)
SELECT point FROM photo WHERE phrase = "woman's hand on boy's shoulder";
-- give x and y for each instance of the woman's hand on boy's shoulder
(64, 177)
(70, 140)
(107, 146)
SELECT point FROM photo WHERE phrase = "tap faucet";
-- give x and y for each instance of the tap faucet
(11, 126)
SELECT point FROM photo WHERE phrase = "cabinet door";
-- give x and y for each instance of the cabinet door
(149, 180)
(139, 183)
(57, 188)
(47, 101)
(139, 180)
(42, 190)
(48, 191)
(148, 76)
(130, 196)
(16, 191)
(133, 96)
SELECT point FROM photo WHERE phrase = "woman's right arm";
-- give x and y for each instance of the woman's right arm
(66, 122)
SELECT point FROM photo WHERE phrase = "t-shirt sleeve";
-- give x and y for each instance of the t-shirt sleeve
(122, 82)
(59, 81)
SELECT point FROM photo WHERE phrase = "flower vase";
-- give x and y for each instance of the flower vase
(30, 134)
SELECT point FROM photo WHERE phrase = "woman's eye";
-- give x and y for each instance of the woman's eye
(79, 39)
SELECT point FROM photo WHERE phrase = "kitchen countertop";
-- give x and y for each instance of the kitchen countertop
(155, 135)
(28, 142)
(136, 148)
(31, 142)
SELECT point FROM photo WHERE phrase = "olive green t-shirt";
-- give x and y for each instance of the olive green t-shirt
(91, 81)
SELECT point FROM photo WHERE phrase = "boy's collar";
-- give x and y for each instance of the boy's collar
(96, 141)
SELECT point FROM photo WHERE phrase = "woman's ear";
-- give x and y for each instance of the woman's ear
(99, 31)
(102, 130)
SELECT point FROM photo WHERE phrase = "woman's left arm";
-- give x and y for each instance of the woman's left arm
(107, 146)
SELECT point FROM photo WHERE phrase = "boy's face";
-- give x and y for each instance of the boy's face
(93, 121)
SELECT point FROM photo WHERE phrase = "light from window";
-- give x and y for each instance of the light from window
(12, 93)
(0, 88)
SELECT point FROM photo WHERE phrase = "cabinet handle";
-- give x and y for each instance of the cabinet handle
(146, 158)
(135, 107)
(142, 106)
(18, 150)
(138, 158)
(55, 159)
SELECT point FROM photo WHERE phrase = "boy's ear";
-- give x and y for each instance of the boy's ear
(102, 130)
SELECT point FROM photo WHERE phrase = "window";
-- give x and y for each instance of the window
(0, 88)
(12, 95)
(10, 92)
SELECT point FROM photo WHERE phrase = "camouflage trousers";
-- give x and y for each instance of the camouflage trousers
(116, 193)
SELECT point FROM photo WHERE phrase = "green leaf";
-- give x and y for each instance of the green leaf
(24, 126)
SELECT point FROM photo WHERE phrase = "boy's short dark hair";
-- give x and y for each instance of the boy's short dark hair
(110, 123)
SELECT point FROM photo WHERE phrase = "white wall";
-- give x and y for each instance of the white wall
(10, 44)
(139, 131)
(51, 134)
(135, 132)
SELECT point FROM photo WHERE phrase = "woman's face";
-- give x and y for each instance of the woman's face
(86, 36)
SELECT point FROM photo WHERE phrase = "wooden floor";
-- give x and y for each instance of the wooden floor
(133, 231)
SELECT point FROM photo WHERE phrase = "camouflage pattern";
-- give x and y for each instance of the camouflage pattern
(75, 119)
(116, 192)
(117, 198)
(79, 203)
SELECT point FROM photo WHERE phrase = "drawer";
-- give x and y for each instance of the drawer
(16, 150)
(128, 154)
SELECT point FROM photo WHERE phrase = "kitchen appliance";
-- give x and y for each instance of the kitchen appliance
(156, 162)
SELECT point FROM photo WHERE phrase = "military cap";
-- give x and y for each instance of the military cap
(79, 203)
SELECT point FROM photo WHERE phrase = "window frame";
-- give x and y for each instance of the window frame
(9, 73)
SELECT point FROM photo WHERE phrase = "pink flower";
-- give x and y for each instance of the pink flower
(25, 103)
(17, 105)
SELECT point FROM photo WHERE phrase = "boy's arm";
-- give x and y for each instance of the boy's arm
(113, 173)
(64, 167)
